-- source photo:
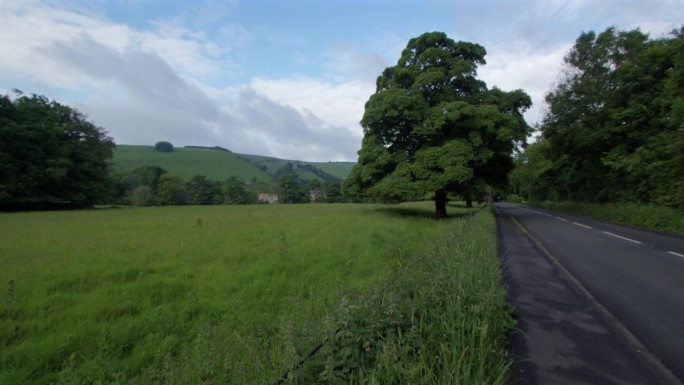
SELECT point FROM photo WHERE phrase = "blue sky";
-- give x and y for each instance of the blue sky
(280, 78)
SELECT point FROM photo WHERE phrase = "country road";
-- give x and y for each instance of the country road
(637, 275)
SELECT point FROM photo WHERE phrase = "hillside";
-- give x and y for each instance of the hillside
(219, 165)
(337, 169)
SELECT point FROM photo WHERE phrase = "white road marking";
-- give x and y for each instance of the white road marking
(579, 224)
(621, 237)
(549, 215)
(677, 254)
(562, 219)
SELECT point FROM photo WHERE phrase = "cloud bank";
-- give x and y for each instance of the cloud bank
(201, 76)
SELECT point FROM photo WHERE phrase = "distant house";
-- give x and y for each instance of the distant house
(314, 195)
(271, 199)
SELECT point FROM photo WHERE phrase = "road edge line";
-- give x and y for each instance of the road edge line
(633, 342)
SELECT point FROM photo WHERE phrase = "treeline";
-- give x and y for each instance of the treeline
(152, 186)
(50, 155)
(614, 127)
(289, 168)
(218, 148)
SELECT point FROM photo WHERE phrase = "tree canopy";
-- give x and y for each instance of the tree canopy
(163, 146)
(50, 154)
(433, 127)
(614, 128)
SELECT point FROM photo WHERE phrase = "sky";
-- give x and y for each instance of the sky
(282, 78)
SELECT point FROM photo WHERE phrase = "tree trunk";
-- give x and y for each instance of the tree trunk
(469, 200)
(440, 204)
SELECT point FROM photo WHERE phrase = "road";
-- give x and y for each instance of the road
(636, 275)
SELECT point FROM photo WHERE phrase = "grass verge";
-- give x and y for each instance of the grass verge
(440, 318)
(652, 217)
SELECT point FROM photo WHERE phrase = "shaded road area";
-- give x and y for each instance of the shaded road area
(598, 303)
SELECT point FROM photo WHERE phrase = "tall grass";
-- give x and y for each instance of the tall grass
(239, 294)
(440, 318)
(648, 216)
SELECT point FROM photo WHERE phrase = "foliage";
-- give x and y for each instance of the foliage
(432, 126)
(219, 148)
(163, 146)
(289, 190)
(614, 130)
(236, 294)
(172, 190)
(531, 176)
(203, 191)
(50, 153)
(233, 191)
(148, 176)
(142, 196)
(152, 185)
(332, 193)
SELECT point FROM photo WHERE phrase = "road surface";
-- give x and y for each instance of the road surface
(634, 276)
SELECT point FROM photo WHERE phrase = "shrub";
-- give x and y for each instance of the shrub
(163, 146)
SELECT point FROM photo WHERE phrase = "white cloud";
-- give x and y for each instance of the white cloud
(181, 76)
(339, 103)
(289, 132)
(533, 71)
(145, 86)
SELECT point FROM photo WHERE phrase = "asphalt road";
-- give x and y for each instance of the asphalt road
(636, 275)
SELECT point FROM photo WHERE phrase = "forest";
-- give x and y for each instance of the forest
(614, 126)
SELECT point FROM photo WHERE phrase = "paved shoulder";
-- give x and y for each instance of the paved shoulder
(561, 337)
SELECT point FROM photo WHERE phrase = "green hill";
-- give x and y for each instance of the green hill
(305, 170)
(338, 169)
(188, 162)
(218, 165)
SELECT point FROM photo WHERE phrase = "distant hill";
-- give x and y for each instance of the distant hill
(339, 170)
(219, 164)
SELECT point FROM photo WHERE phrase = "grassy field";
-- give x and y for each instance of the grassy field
(188, 162)
(238, 294)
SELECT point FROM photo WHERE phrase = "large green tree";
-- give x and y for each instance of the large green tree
(614, 125)
(234, 192)
(289, 190)
(50, 154)
(203, 191)
(433, 127)
(172, 190)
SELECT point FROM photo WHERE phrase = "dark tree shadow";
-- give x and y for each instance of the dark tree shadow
(429, 213)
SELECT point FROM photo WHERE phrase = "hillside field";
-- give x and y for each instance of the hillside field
(336, 169)
(238, 294)
(215, 164)
(187, 162)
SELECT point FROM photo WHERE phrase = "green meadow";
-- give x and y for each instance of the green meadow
(242, 294)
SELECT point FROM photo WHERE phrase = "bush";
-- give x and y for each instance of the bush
(163, 146)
